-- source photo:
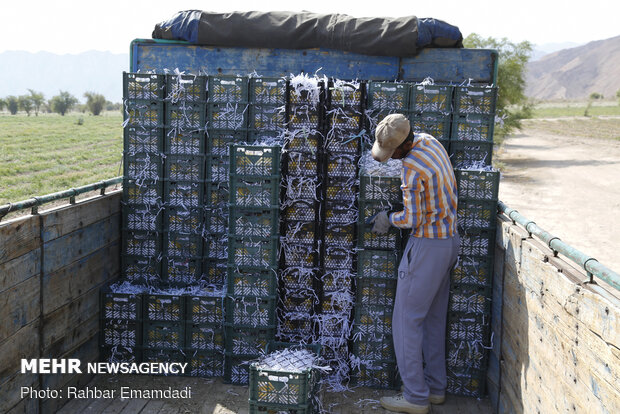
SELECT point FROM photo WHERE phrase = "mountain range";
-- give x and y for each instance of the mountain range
(570, 73)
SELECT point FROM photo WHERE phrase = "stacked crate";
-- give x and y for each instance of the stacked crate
(471, 139)
(184, 179)
(120, 339)
(300, 218)
(470, 292)
(377, 275)
(430, 110)
(227, 111)
(253, 256)
(143, 160)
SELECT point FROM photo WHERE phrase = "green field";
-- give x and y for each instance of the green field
(47, 153)
(572, 109)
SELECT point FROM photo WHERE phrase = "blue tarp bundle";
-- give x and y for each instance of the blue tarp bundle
(402, 36)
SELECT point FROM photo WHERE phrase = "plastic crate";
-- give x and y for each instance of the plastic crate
(339, 214)
(367, 239)
(186, 88)
(141, 243)
(334, 326)
(252, 311)
(341, 303)
(297, 278)
(257, 282)
(184, 220)
(142, 192)
(299, 254)
(183, 194)
(477, 242)
(476, 214)
(295, 327)
(375, 374)
(302, 210)
(372, 323)
(229, 116)
(120, 306)
(335, 257)
(142, 167)
(388, 97)
(204, 364)
(341, 166)
(185, 168)
(216, 247)
(468, 382)
(254, 161)
(116, 354)
(143, 87)
(182, 245)
(247, 340)
(143, 140)
(377, 188)
(218, 169)
(216, 221)
(378, 264)
(473, 270)
(300, 164)
(337, 281)
(179, 142)
(436, 125)
(303, 118)
(341, 192)
(468, 327)
(253, 252)
(119, 332)
(254, 192)
(340, 235)
(299, 232)
(368, 349)
(477, 128)
(267, 118)
(430, 98)
(284, 388)
(218, 141)
(144, 114)
(475, 100)
(164, 335)
(300, 188)
(467, 354)
(141, 270)
(214, 272)
(346, 94)
(466, 153)
(345, 119)
(163, 308)
(271, 91)
(205, 337)
(481, 185)
(142, 217)
(299, 301)
(159, 355)
(203, 309)
(228, 89)
(237, 368)
(376, 292)
(301, 141)
(343, 142)
(182, 271)
(185, 117)
(470, 299)
(217, 195)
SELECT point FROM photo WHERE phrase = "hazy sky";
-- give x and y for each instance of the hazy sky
(71, 26)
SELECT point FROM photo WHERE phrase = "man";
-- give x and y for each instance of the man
(421, 306)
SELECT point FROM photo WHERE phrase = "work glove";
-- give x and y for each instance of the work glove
(380, 222)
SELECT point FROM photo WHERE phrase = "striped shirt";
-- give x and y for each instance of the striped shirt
(429, 191)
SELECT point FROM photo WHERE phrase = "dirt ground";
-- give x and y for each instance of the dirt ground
(569, 186)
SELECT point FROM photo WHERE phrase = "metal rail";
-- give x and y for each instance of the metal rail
(588, 263)
(35, 202)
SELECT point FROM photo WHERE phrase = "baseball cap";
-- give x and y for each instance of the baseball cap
(390, 133)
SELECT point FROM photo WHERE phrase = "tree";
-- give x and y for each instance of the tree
(25, 103)
(2, 104)
(95, 102)
(596, 95)
(38, 99)
(12, 104)
(63, 102)
(512, 104)
(617, 96)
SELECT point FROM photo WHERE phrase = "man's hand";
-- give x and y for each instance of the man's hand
(380, 222)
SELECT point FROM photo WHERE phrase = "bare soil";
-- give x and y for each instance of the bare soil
(570, 186)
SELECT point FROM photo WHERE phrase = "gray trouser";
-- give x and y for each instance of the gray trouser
(420, 312)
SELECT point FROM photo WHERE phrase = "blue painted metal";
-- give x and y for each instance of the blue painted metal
(443, 65)
(588, 263)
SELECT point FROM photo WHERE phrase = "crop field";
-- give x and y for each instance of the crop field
(47, 153)
(576, 108)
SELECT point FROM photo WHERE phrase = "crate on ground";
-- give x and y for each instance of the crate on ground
(185, 142)
(163, 335)
(143, 87)
(464, 154)
(228, 89)
(477, 242)
(468, 326)
(144, 114)
(237, 368)
(204, 363)
(163, 308)
(476, 214)
(143, 166)
(186, 88)
(430, 98)
(251, 311)
(254, 161)
(141, 243)
(258, 252)
(120, 333)
(142, 192)
(205, 337)
(248, 340)
(205, 308)
(252, 282)
(467, 354)
(138, 140)
(470, 299)
(474, 128)
(184, 220)
(254, 192)
(376, 291)
(142, 217)
(160, 355)
(388, 97)
(473, 270)
(254, 222)
(477, 184)
(182, 244)
(185, 168)
(182, 271)
(378, 264)
(479, 100)
(375, 374)
(141, 270)
(120, 306)
(183, 194)
(219, 140)
(468, 382)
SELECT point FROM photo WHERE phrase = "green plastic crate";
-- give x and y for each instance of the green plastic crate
(137, 139)
(228, 89)
(185, 168)
(252, 222)
(300, 164)
(254, 192)
(376, 374)
(186, 88)
(204, 364)
(474, 128)
(247, 340)
(142, 217)
(473, 270)
(143, 167)
(216, 221)
(470, 299)
(465, 153)
(182, 244)
(252, 311)
(252, 282)
(339, 235)
(120, 306)
(254, 161)
(163, 335)
(143, 87)
(467, 354)
(205, 309)
(142, 192)
(117, 353)
(267, 118)
(188, 118)
(297, 278)
(436, 125)
(184, 220)
(382, 189)
(163, 308)
(183, 194)
(372, 323)
(219, 141)
(270, 91)
(217, 195)
(120, 333)
(185, 142)
(430, 98)
(374, 349)
(141, 243)
(477, 242)
(218, 169)
(182, 271)
(159, 355)
(253, 251)
(366, 238)
(144, 114)
(468, 382)
(214, 272)
(468, 326)
(237, 368)
(345, 120)
(378, 264)
(346, 94)
(376, 291)
(480, 185)
(141, 270)
(476, 214)
(342, 166)
(205, 337)
(388, 97)
(479, 100)
(295, 327)
(227, 116)
(343, 192)
(216, 247)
